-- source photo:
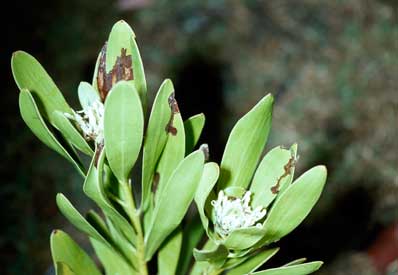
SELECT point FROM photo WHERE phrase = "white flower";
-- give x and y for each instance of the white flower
(91, 121)
(231, 213)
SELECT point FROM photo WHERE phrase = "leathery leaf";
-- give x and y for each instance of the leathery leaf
(65, 250)
(245, 145)
(123, 129)
(273, 174)
(301, 269)
(193, 128)
(290, 209)
(174, 201)
(155, 136)
(33, 119)
(29, 74)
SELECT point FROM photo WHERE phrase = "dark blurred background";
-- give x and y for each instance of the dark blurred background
(332, 66)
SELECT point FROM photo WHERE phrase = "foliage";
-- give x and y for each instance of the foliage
(111, 131)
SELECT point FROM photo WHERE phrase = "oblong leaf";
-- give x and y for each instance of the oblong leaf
(203, 267)
(123, 128)
(111, 262)
(245, 145)
(301, 269)
(254, 262)
(139, 74)
(173, 153)
(243, 238)
(169, 253)
(192, 234)
(155, 137)
(296, 262)
(193, 128)
(75, 218)
(123, 242)
(174, 201)
(32, 117)
(207, 182)
(220, 252)
(30, 75)
(87, 95)
(274, 172)
(122, 45)
(291, 208)
(93, 187)
(66, 250)
(94, 82)
(70, 133)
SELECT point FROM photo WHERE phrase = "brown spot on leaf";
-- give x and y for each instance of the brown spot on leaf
(173, 104)
(122, 70)
(98, 153)
(155, 182)
(171, 129)
(174, 110)
(288, 168)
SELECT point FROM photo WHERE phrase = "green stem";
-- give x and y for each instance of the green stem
(134, 216)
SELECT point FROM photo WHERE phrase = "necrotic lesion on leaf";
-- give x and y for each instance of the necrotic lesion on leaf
(288, 168)
(156, 178)
(122, 70)
(174, 110)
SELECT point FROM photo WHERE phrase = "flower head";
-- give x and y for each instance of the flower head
(91, 121)
(232, 213)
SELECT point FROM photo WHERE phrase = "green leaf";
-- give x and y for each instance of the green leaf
(193, 128)
(70, 133)
(123, 129)
(219, 253)
(75, 218)
(113, 264)
(87, 95)
(296, 262)
(174, 201)
(235, 191)
(169, 253)
(93, 188)
(30, 75)
(31, 115)
(192, 234)
(254, 262)
(291, 208)
(286, 184)
(63, 269)
(203, 267)
(301, 269)
(96, 221)
(173, 153)
(208, 180)
(65, 250)
(123, 242)
(120, 38)
(94, 82)
(123, 37)
(274, 172)
(155, 137)
(139, 74)
(244, 238)
(245, 145)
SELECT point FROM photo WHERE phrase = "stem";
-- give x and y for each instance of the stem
(134, 216)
